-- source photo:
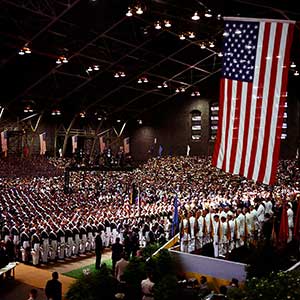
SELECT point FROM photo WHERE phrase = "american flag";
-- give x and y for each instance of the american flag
(252, 97)
(43, 143)
(4, 145)
(101, 144)
(74, 143)
(126, 145)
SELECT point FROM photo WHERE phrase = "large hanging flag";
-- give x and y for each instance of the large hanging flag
(175, 221)
(126, 145)
(74, 143)
(252, 96)
(43, 143)
(4, 145)
(102, 144)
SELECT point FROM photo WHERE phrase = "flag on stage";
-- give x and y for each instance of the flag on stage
(252, 97)
(74, 143)
(4, 145)
(126, 145)
(175, 221)
(160, 150)
(102, 144)
(188, 149)
(43, 143)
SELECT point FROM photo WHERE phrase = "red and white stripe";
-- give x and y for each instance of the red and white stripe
(251, 113)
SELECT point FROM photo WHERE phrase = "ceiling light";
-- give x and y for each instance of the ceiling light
(293, 65)
(116, 75)
(139, 10)
(146, 80)
(157, 25)
(99, 118)
(165, 85)
(118, 121)
(129, 13)
(208, 14)
(64, 60)
(197, 93)
(96, 68)
(82, 114)
(122, 74)
(27, 50)
(58, 61)
(177, 90)
(89, 69)
(195, 17)
(225, 34)
(220, 54)
(193, 94)
(219, 17)
(202, 46)
(182, 37)
(21, 52)
(296, 73)
(182, 90)
(238, 31)
(191, 35)
(140, 122)
(159, 86)
(167, 24)
(140, 80)
(211, 44)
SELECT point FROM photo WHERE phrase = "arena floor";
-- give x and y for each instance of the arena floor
(28, 277)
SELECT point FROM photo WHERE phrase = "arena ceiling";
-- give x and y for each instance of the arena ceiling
(98, 34)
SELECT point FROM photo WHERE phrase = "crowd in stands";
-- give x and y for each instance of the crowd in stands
(46, 224)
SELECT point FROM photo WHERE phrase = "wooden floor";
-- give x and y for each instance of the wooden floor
(38, 276)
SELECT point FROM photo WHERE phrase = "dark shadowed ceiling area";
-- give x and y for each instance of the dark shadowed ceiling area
(98, 34)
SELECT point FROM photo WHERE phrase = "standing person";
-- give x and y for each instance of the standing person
(53, 289)
(120, 267)
(98, 250)
(116, 252)
(147, 288)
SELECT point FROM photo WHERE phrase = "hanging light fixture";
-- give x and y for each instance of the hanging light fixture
(208, 14)
(140, 122)
(129, 12)
(177, 90)
(293, 65)
(182, 90)
(116, 75)
(193, 94)
(167, 24)
(192, 35)
(159, 86)
(89, 69)
(296, 73)
(146, 80)
(21, 52)
(139, 10)
(157, 25)
(140, 80)
(182, 37)
(202, 46)
(165, 85)
(211, 44)
(27, 50)
(195, 17)
(122, 74)
(96, 68)
(220, 54)
(82, 114)
(64, 60)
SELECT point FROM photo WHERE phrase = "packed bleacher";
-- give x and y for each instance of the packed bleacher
(46, 224)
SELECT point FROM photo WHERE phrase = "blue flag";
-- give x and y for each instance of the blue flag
(160, 150)
(175, 221)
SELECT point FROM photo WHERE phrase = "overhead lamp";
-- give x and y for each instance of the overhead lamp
(99, 118)
(192, 35)
(55, 112)
(157, 25)
(146, 80)
(296, 73)
(82, 114)
(96, 67)
(220, 54)
(122, 74)
(208, 14)
(238, 31)
(58, 61)
(116, 75)
(197, 93)
(140, 122)
(182, 37)
(182, 90)
(129, 12)
(118, 121)
(293, 65)
(202, 46)
(225, 34)
(195, 17)
(165, 85)
(177, 90)
(27, 50)
(64, 60)
(219, 17)
(193, 94)
(139, 10)
(140, 80)
(211, 44)
(167, 24)
(21, 52)
(159, 86)
(89, 69)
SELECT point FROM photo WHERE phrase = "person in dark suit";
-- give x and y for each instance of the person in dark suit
(116, 252)
(98, 250)
(53, 289)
